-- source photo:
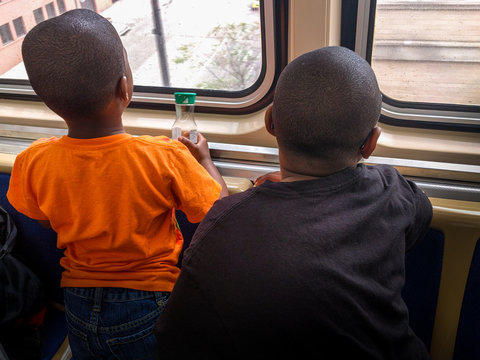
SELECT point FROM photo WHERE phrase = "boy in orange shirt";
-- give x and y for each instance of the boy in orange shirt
(110, 196)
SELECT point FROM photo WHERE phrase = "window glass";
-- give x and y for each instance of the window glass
(6, 34)
(208, 44)
(50, 10)
(38, 14)
(88, 4)
(428, 50)
(19, 26)
(61, 6)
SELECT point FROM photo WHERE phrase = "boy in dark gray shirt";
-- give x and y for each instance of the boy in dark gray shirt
(313, 264)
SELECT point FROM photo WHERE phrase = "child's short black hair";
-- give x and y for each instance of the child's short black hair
(74, 62)
(326, 103)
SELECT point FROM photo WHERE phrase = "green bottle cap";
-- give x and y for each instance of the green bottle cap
(184, 98)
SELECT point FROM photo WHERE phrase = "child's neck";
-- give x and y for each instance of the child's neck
(83, 133)
(94, 127)
(299, 168)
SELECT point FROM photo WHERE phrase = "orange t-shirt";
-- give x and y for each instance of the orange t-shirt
(111, 202)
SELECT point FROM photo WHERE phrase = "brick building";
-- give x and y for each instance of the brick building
(17, 17)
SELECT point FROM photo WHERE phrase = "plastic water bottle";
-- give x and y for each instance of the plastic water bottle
(185, 124)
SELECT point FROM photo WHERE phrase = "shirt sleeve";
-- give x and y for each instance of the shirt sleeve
(195, 190)
(20, 192)
(421, 217)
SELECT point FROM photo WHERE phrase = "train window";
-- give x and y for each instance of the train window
(425, 54)
(217, 48)
(6, 34)
(197, 46)
(428, 51)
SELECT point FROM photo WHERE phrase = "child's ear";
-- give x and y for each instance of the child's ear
(370, 142)
(269, 121)
(122, 89)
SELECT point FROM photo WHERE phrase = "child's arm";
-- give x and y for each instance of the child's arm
(274, 176)
(201, 152)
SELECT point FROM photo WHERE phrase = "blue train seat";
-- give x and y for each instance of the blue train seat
(423, 267)
(187, 228)
(467, 344)
(37, 247)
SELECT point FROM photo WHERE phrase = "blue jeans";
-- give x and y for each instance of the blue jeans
(112, 323)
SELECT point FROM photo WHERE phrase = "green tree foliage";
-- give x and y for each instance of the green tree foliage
(234, 60)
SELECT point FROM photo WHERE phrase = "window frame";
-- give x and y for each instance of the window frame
(252, 99)
(358, 34)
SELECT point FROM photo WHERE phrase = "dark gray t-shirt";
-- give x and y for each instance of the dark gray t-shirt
(302, 268)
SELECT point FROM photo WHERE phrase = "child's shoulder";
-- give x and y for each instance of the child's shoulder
(385, 171)
(35, 149)
(159, 140)
(163, 146)
(39, 144)
(390, 177)
(44, 141)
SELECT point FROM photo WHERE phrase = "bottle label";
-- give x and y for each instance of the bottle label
(193, 136)
(176, 132)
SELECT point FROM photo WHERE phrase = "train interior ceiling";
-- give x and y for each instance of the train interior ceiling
(425, 53)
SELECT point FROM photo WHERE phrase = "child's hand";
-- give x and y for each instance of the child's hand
(275, 176)
(202, 154)
(199, 150)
